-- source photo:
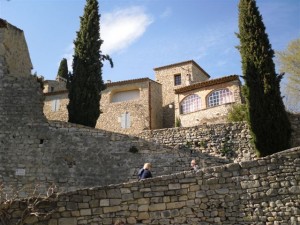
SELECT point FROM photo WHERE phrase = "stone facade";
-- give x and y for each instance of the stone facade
(127, 107)
(259, 192)
(131, 106)
(206, 113)
(145, 104)
(14, 54)
(186, 73)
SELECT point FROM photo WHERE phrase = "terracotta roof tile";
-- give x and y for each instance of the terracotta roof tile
(128, 82)
(207, 83)
(182, 63)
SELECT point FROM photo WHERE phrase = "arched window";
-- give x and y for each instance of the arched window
(220, 97)
(191, 103)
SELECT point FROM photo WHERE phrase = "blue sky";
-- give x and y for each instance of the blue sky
(141, 35)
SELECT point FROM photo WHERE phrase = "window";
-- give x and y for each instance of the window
(220, 97)
(52, 89)
(123, 96)
(191, 103)
(177, 79)
(125, 120)
(55, 105)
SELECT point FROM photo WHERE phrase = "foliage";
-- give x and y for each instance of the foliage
(202, 144)
(267, 117)
(237, 113)
(85, 84)
(63, 69)
(289, 61)
(177, 122)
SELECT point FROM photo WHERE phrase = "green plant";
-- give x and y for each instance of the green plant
(202, 144)
(225, 150)
(177, 122)
(133, 149)
(237, 113)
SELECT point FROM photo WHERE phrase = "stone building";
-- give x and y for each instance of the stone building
(175, 76)
(181, 92)
(207, 101)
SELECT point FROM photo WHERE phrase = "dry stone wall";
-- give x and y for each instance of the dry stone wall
(295, 125)
(258, 192)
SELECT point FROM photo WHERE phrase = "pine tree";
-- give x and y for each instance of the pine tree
(86, 84)
(267, 117)
(63, 69)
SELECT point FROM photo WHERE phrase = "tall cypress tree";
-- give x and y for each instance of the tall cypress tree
(85, 84)
(63, 69)
(268, 119)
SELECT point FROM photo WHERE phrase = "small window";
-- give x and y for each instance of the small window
(55, 105)
(177, 79)
(191, 103)
(52, 89)
(220, 97)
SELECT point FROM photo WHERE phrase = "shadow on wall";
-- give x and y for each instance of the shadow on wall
(238, 193)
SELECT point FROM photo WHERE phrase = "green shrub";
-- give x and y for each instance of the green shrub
(177, 122)
(237, 113)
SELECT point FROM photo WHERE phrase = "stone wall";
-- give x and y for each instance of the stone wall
(13, 48)
(155, 100)
(295, 124)
(54, 85)
(59, 111)
(138, 111)
(260, 192)
(229, 141)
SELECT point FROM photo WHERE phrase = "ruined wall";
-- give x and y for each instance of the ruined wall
(259, 192)
(14, 55)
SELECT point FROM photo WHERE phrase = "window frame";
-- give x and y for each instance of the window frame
(177, 79)
(191, 103)
(219, 97)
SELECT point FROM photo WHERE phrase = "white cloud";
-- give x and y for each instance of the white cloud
(122, 27)
(118, 29)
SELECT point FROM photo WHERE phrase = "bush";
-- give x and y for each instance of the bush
(178, 122)
(237, 113)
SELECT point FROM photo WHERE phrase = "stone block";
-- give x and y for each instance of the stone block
(67, 221)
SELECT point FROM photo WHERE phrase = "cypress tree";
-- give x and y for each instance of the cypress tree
(63, 69)
(85, 83)
(267, 117)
